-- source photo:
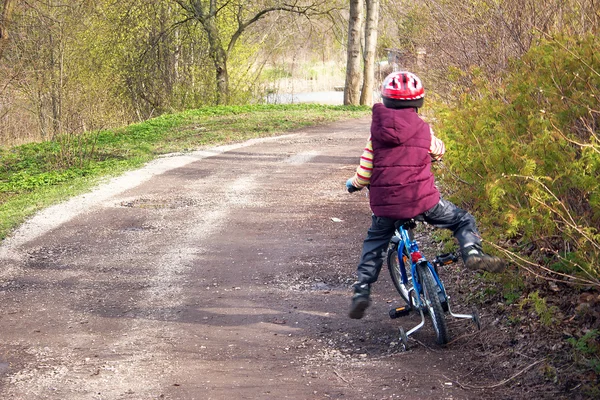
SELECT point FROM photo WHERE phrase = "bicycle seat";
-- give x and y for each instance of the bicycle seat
(409, 224)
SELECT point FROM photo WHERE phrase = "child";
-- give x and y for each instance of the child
(396, 164)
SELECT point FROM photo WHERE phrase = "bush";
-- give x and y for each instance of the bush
(528, 154)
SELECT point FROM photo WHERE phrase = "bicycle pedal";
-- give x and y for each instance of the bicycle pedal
(444, 259)
(399, 312)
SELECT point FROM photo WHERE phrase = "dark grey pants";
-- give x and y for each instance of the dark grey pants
(443, 215)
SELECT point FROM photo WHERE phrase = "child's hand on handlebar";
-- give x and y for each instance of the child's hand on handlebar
(351, 188)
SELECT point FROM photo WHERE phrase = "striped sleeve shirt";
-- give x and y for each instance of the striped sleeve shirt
(362, 177)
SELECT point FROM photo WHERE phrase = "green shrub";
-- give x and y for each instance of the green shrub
(546, 314)
(527, 151)
(587, 350)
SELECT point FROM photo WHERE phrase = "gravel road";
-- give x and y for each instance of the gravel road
(219, 274)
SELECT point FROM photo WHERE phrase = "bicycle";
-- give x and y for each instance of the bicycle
(418, 283)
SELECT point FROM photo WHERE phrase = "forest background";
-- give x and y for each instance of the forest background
(512, 88)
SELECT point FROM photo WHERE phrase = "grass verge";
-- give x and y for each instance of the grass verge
(37, 175)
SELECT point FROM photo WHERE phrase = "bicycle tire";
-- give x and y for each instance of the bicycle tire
(433, 304)
(394, 268)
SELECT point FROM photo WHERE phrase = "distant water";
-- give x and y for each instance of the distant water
(329, 98)
(335, 98)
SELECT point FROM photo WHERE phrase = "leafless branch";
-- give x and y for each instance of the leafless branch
(501, 383)
(594, 147)
(568, 50)
(570, 279)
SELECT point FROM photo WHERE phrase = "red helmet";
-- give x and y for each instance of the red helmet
(402, 89)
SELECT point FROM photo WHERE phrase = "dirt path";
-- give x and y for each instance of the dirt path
(221, 274)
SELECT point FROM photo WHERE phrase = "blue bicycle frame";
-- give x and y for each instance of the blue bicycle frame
(413, 249)
(411, 288)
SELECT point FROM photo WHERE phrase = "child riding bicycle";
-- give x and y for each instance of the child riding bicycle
(396, 165)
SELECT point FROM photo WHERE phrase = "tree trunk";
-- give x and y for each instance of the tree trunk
(207, 12)
(219, 57)
(220, 61)
(366, 96)
(353, 71)
(4, 20)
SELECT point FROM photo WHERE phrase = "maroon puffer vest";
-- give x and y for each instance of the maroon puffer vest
(402, 185)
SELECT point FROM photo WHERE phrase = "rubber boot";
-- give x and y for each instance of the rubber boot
(475, 259)
(360, 300)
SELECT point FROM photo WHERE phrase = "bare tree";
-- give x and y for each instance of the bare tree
(488, 34)
(366, 96)
(4, 20)
(211, 13)
(353, 72)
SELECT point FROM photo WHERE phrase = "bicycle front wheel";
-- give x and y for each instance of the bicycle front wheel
(394, 267)
(432, 301)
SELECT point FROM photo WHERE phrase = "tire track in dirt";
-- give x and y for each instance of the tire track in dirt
(225, 276)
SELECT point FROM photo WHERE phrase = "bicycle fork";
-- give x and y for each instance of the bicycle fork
(422, 307)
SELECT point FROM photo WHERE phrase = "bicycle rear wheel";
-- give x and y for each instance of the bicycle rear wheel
(394, 267)
(432, 301)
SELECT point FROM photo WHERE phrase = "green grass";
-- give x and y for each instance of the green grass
(36, 175)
